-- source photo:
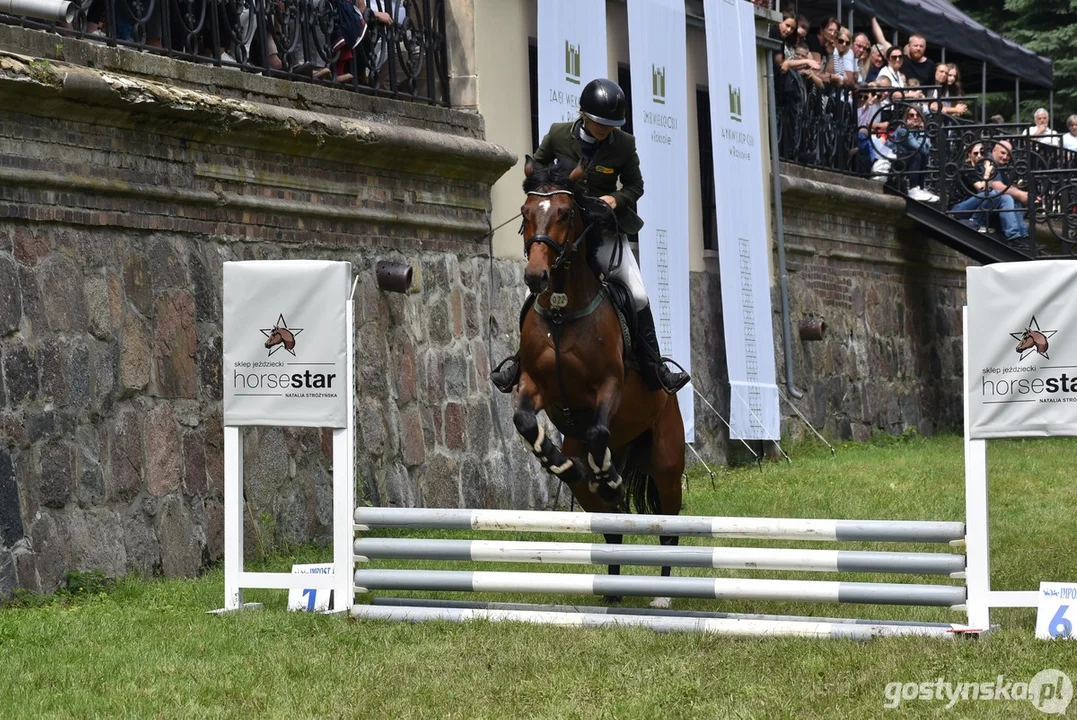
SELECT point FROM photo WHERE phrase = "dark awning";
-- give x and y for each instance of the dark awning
(943, 25)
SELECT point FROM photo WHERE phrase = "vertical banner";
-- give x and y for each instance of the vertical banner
(286, 343)
(1022, 348)
(657, 46)
(571, 53)
(737, 138)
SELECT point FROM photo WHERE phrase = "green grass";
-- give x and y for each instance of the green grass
(147, 648)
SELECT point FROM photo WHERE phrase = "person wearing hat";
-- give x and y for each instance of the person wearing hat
(609, 157)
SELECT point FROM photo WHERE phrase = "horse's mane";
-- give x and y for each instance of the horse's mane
(555, 176)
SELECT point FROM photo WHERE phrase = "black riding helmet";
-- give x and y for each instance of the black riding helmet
(604, 102)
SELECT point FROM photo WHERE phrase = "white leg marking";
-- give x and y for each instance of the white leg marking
(538, 442)
(591, 462)
(606, 462)
(561, 468)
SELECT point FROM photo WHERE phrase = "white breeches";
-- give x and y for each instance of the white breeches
(627, 273)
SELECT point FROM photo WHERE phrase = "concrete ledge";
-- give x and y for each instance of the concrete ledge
(106, 97)
(820, 193)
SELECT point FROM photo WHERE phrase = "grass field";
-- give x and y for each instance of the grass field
(147, 648)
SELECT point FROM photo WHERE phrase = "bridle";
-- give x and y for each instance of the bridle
(563, 250)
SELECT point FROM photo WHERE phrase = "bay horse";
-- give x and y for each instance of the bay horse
(623, 442)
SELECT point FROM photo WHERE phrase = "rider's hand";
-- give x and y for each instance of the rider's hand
(609, 200)
(383, 17)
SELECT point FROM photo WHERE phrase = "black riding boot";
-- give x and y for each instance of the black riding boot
(650, 355)
(507, 373)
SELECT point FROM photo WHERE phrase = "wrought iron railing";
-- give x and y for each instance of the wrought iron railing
(402, 52)
(1020, 190)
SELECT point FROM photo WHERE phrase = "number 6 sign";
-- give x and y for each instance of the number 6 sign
(1057, 610)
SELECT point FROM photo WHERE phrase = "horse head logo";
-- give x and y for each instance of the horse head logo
(1032, 339)
(280, 336)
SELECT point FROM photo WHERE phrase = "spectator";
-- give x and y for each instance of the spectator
(785, 32)
(917, 64)
(972, 183)
(892, 72)
(803, 25)
(1041, 131)
(845, 58)
(876, 62)
(1011, 199)
(997, 120)
(862, 56)
(1069, 140)
(911, 145)
(954, 90)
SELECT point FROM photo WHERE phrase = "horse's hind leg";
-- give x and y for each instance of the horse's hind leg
(553, 461)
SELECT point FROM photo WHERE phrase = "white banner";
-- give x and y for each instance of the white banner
(1022, 349)
(743, 251)
(571, 53)
(656, 36)
(286, 343)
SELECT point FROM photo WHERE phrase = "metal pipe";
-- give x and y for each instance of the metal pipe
(779, 231)
(1017, 99)
(1051, 104)
(983, 94)
(51, 10)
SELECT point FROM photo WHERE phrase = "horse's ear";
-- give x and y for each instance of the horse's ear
(529, 166)
(577, 172)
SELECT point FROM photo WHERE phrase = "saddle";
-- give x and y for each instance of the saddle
(623, 306)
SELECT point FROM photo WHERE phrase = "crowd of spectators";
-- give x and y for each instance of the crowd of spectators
(334, 40)
(892, 91)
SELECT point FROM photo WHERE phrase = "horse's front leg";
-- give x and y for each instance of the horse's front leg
(606, 480)
(553, 461)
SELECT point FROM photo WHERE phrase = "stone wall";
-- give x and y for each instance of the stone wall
(120, 197)
(891, 299)
(127, 180)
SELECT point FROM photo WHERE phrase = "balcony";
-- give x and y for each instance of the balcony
(391, 48)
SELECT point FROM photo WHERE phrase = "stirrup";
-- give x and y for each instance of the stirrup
(505, 380)
(661, 369)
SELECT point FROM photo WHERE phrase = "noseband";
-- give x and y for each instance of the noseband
(563, 250)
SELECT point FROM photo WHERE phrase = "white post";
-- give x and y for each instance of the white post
(233, 517)
(344, 484)
(977, 548)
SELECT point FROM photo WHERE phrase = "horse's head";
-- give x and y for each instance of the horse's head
(281, 335)
(553, 221)
(1032, 339)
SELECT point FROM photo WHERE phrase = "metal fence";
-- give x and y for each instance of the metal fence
(993, 177)
(394, 48)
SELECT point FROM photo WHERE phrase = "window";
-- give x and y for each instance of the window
(706, 170)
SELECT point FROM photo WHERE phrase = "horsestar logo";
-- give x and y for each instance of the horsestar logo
(1032, 339)
(280, 336)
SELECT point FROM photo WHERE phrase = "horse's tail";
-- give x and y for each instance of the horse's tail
(641, 491)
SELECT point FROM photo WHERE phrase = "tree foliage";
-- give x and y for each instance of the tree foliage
(1047, 28)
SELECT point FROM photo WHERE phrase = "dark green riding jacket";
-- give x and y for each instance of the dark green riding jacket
(614, 159)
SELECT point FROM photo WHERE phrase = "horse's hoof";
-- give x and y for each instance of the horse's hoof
(613, 496)
(611, 599)
(662, 603)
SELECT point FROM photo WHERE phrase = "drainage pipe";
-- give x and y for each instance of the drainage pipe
(51, 10)
(779, 229)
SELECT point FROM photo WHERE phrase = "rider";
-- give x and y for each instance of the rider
(608, 154)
